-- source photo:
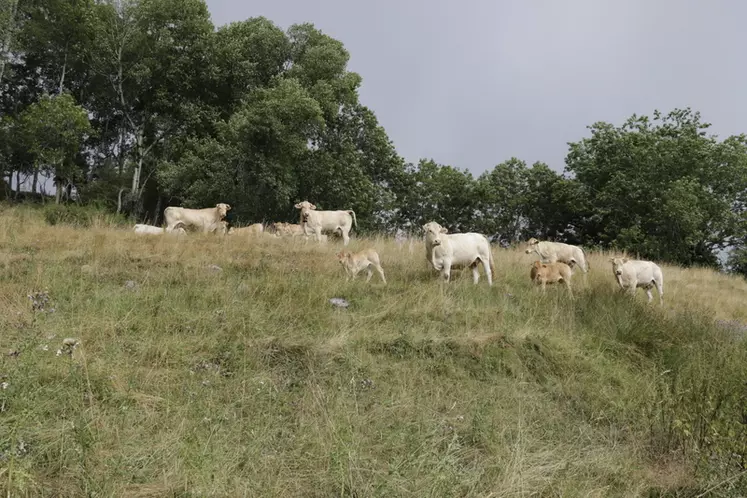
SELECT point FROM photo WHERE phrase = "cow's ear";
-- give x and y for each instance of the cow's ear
(312, 206)
(444, 230)
(297, 205)
(612, 260)
(625, 260)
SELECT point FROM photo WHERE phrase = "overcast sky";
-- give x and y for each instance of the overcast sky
(474, 82)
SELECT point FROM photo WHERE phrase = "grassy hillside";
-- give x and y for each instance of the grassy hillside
(244, 381)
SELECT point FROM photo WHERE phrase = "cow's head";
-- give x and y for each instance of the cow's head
(342, 256)
(535, 268)
(305, 205)
(530, 245)
(220, 228)
(617, 265)
(433, 232)
(304, 216)
(180, 228)
(223, 209)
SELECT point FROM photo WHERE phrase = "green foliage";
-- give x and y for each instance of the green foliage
(435, 192)
(661, 188)
(737, 262)
(53, 129)
(81, 216)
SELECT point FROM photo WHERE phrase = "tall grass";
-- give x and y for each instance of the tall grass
(243, 380)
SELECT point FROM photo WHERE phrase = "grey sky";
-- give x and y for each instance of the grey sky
(474, 82)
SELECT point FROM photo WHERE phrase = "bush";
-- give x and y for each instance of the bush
(81, 216)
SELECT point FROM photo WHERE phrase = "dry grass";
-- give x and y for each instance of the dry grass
(245, 381)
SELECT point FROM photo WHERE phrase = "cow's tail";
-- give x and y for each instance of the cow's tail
(492, 262)
(586, 259)
(352, 213)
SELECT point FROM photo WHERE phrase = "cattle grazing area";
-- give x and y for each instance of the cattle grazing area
(209, 365)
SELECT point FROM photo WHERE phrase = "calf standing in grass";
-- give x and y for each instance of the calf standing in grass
(355, 262)
(550, 252)
(631, 274)
(550, 273)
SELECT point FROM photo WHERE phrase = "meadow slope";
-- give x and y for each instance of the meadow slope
(191, 380)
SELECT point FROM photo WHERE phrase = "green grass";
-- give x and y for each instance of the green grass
(247, 382)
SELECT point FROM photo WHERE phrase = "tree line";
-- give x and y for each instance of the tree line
(142, 104)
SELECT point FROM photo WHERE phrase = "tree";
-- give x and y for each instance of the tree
(249, 55)
(154, 55)
(502, 196)
(53, 38)
(293, 130)
(8, 12)
(659, 187)
(254, 156)
(53, 130)
(435, 192)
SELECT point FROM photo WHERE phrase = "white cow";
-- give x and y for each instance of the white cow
(219, 227)
(632, 273)
(315, 222)
(204, 220)
(443, 250)
(254, 229)
(286, 229)
(154, 230)
(552, 252)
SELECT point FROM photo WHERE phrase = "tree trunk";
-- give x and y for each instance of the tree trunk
(64, 69)
(58, 192)
(157, 214)
(35, 180)
(5, 47)
(119, 200)
(139, 162)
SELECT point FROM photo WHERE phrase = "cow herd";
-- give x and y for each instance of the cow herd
(443, 250)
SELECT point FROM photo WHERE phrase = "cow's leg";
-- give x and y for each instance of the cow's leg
(544, 285)
(381, 273)
(648, 293)
(446, 270)
(632, 287)
(345, 236)
(370, 272)
(660, 291)
(475, 272)
(568, 286)
(488, 271)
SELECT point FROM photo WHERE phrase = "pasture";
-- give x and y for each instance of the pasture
(216, 366)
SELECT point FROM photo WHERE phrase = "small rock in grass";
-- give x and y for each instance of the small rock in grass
(68, 346)
(339, 302)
